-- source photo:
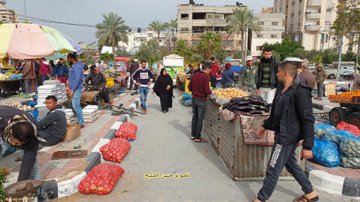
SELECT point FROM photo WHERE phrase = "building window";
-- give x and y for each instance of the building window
(275, 23)
(209, 16)
(260, 23)
(184, 16)
(184, 29)
(199, 16)
(150, 35)
(260, 36)
(259, 48)
(273, 36)
(217, 16)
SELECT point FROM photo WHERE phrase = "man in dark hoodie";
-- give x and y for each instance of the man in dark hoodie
(52, 127)
(292, 120)
(266, 82)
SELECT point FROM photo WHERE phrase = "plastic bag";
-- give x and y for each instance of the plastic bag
(115, 150)
(349, 127)
(326, 153)
(101, 179)
(337, 135)
(127, 131)
(350, 147)
(350, 162)
(321, 129)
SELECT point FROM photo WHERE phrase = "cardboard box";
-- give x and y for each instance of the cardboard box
(73, 132)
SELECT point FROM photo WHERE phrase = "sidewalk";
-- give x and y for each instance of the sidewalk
(163, 145)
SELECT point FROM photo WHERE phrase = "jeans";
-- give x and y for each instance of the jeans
(320, 90)
(77, 107)
(198, 108)
(143, 91)
(29, 85)
(283, 156)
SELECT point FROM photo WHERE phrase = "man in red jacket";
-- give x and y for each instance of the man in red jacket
(215, 69)
(199, 86)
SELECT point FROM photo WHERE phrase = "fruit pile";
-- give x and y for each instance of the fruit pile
(127, 131)
(115, 150)
(346, 97)
(101, 179)
(182, 76)
(229, 93)
(251, 104)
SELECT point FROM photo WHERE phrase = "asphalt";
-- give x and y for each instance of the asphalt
(163, 145)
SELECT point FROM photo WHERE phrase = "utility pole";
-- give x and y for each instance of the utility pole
(25, 10)
(340, 52)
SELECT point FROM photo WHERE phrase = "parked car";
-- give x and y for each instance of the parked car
(345, 72)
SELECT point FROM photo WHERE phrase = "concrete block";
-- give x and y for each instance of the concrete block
(65, 188)
(351, 187)
(77, 179)
(124, 118)
(116, 125)
(327, 182)
(110, 134)
(48, 191)
(93, 159)
(101, 143)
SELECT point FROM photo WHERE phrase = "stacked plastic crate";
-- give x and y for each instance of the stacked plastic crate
(91, 113)
(51, 87)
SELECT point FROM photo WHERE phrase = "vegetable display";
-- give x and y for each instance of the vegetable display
(127, 131)
(346, 97)
(326, 153)
(251, 104)
(101, 179)
(350, 162)
(115, 150)
(230, 93)
(350, 147)
(349, 127)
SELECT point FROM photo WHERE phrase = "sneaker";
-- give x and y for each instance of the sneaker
(82, 126)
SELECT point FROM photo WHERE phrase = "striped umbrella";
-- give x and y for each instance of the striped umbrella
(31, 41)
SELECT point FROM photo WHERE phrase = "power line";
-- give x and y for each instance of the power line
(36, 19)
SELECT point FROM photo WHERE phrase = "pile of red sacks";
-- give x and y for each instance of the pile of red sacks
(101, 179)
(115, 150)
(127, 131)
(346, 126)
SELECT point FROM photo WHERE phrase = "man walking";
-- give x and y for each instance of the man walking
(61, 71)
(266, 81)
(53, 126)
(199, 86)
(133, 67)
(292, 120)
(248, 79)
(320, 77)
(143, 78)
(76, 78)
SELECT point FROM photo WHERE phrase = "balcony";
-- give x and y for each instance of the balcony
(314, 3)
(312, 15)
(312, 28)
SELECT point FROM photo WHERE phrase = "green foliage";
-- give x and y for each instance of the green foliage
(209, 43)
(318, 59)
(122, 52)
(349, 56)
(150, 51)
(157, 26)
(3, 173)
(112, 30)
(287, 48)
(220, 54)
(107, 57)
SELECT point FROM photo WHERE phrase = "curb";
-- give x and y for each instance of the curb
(52, 189)
(332, 183)
(326, 108)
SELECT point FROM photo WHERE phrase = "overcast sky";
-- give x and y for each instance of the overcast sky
(136, 13)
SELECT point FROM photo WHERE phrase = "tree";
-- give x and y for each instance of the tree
(240, 22)
(209, 43)
(112, 30)
(157, 27)
(122, 52)
(150, 51)
(287, 48)
(107, 57)
(172, 25)
(220, 54)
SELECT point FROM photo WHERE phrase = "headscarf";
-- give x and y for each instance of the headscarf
(161, 82)
(227, 66)
(8, 135)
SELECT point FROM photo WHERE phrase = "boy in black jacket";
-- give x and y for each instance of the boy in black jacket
(292, 120)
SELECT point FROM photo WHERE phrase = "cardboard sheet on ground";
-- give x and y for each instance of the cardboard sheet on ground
(70, 154)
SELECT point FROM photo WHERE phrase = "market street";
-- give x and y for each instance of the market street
(163, 145)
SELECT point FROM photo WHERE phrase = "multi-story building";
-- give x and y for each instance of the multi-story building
(309, 22)
(6, 15)
(272, 25)
(195, 19)
(137, 36)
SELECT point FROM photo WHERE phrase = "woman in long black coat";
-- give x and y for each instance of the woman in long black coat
(164, 89)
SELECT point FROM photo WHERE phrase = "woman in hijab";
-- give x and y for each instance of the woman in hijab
(164, 89)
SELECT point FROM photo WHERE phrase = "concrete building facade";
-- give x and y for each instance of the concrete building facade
(6, 15)
(137, 36)
(272, 30)
(309, 22)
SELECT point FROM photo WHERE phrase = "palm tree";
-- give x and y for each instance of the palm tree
(157, 27)
(172, 25)
(209, 43)
(240, 22)
(112, 30)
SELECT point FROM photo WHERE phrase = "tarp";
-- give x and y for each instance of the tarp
(173, 60)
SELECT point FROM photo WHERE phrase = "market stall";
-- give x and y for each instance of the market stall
(173, 64)
(232, 118)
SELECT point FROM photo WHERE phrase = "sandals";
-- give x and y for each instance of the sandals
(303, 198)
(201, 140)
(192, 138)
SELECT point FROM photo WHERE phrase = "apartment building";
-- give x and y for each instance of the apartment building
(137, 36)
(309, 22)
(272, 30)
(195, 19)
(6, 15)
